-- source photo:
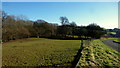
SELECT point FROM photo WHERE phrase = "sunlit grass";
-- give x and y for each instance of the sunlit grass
(39, 52)
(111, 32)
(96, 53)
(117, 40)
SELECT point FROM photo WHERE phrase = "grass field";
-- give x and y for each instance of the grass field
(96, 53)
(50, 52)
(39, 52)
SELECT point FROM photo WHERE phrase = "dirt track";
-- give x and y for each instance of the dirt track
(112, 44)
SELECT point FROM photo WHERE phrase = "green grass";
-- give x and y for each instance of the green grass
(96, 53)
(72, 36)
(118, 40)
(111, 32)
(39, 52)
(49, 52)
(103, 39)
(75, 36)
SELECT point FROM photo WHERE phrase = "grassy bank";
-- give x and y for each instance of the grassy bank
(96, 53)
(39, 52)
(117, 41)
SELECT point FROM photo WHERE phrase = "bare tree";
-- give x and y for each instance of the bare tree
(64, 20)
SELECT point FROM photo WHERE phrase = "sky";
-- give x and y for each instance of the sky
(104, 14)
(60, 0)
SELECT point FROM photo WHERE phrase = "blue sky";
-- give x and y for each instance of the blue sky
(60, 0)
(104, 14)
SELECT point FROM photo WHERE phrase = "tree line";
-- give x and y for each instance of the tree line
(14, 27)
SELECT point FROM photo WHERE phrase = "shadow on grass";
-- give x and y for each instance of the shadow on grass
(68, 38)
(77, 57)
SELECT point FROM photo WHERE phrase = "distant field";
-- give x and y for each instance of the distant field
(96, 53)
(111, 32)
(39, 52)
